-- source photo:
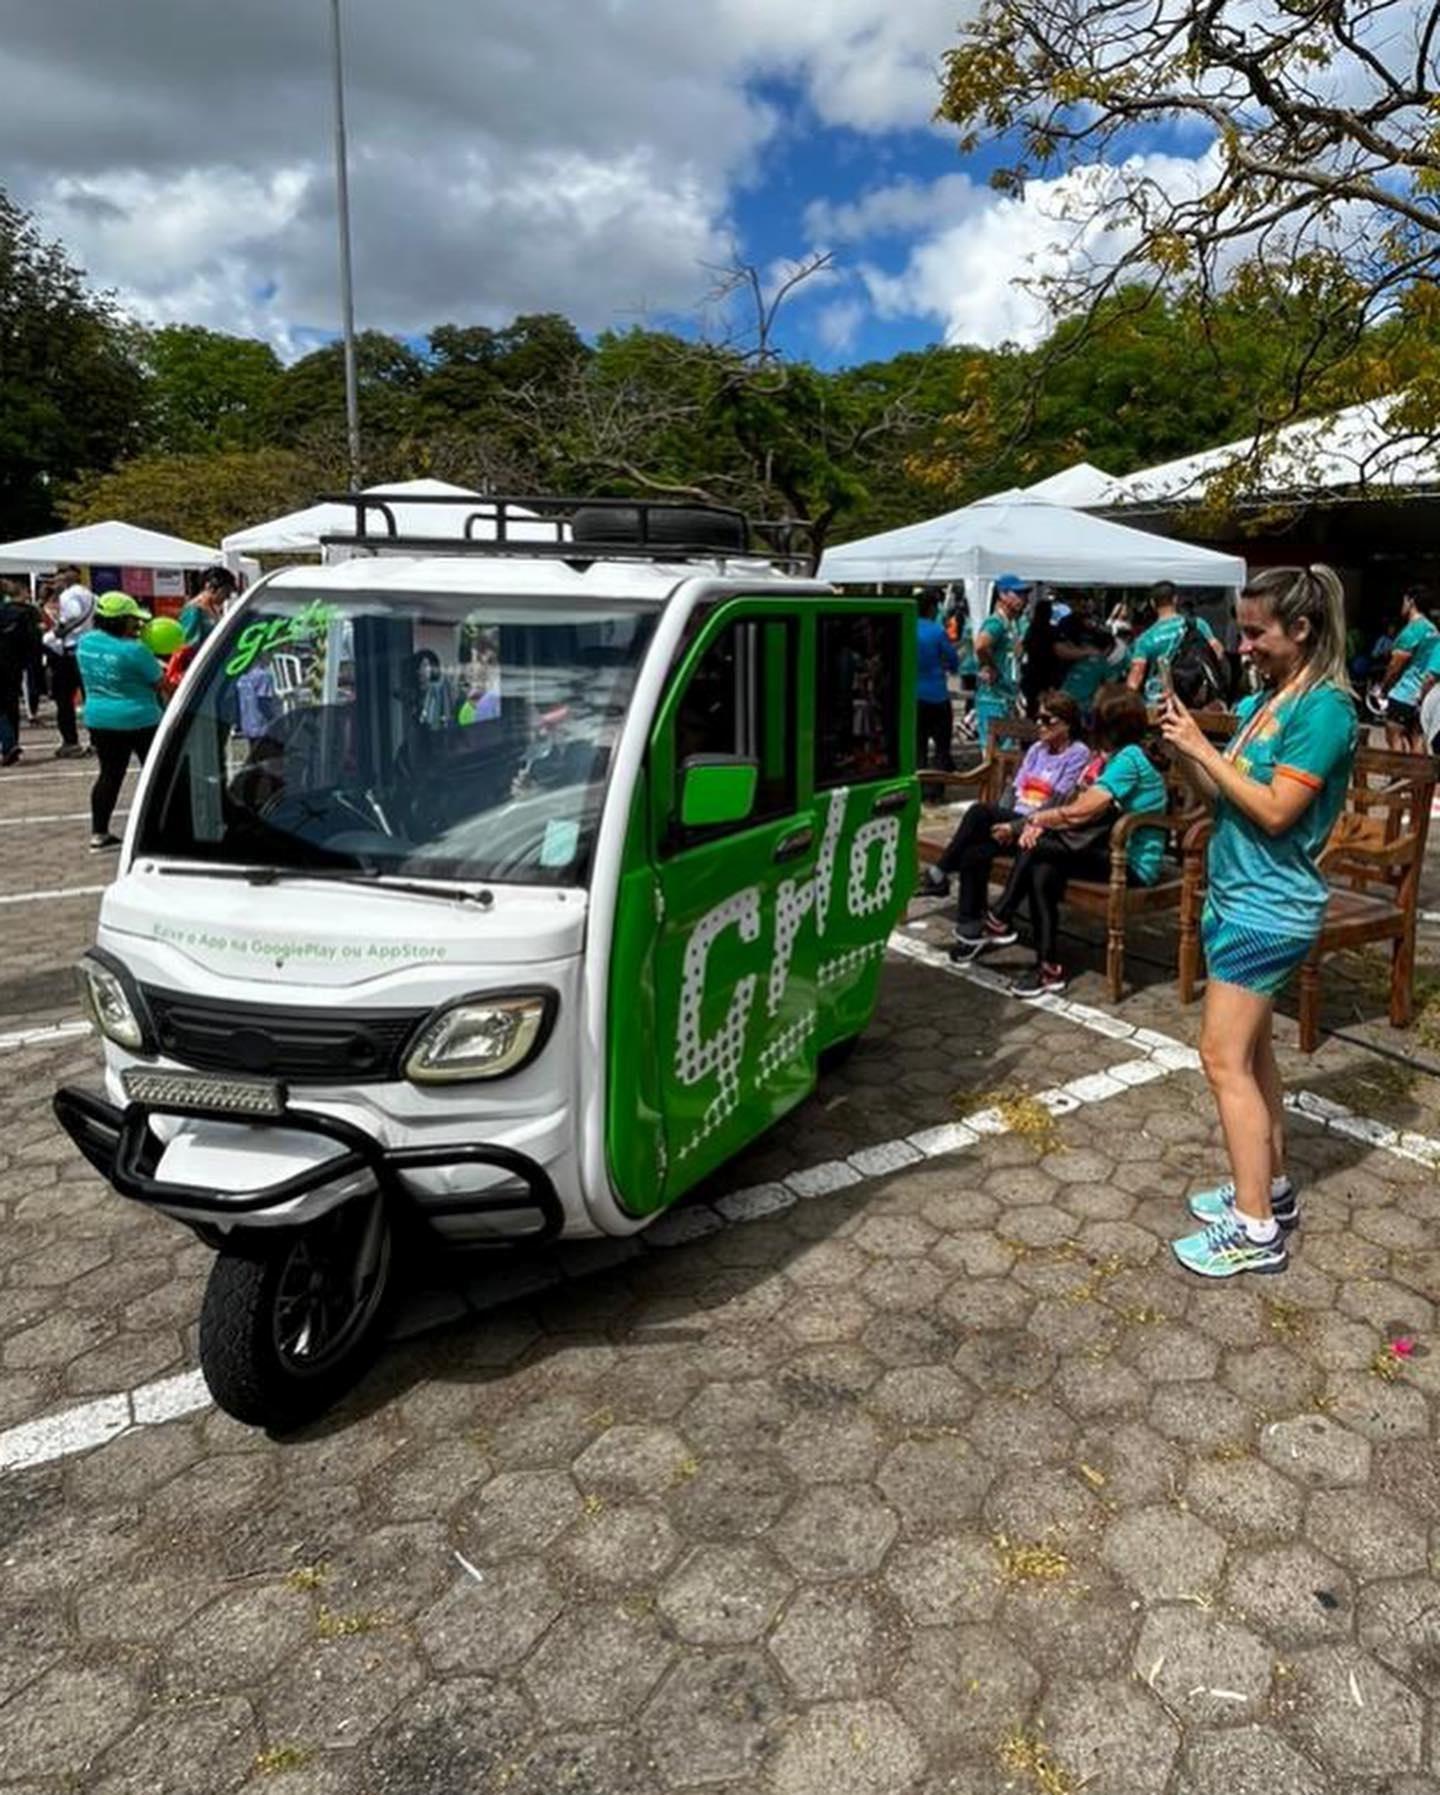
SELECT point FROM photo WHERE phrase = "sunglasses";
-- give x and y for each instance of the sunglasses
(1047, 717)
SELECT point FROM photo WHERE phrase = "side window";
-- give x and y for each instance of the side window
(857, 698)
(740, 701)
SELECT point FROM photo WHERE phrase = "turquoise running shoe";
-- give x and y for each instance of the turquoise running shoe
(1224, 1250)
(1215, 1205)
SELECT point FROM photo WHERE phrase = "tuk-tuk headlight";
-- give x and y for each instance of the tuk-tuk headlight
(481, 1037)
(112, 1008)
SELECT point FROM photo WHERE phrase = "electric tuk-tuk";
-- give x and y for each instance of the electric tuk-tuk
(501, 889)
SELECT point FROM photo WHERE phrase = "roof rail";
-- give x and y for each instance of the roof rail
(608, 529)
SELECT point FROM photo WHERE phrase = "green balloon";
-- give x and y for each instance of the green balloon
(163, 635)
(466, 714)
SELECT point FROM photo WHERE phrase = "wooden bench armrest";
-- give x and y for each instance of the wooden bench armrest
(1400, 852)
(933, 778)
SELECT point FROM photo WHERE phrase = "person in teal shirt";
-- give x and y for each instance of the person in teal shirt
(122, 703)
(1155, 649)
(1278, 789)
(1070, 840)
(1411, 658)
(996, 644)
(204, 611)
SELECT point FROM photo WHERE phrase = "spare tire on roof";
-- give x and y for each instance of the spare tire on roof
(659, 526)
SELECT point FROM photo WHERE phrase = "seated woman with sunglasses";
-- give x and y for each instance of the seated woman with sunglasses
(1049, 772)
(1071, 841)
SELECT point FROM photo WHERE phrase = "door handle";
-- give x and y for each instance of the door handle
(793, 845)
(891, 802)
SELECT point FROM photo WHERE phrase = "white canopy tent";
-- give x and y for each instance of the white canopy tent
(109, 544)
(1014, 532)
(300, 532)
(1083, 487)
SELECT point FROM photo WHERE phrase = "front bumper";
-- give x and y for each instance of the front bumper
(121, 1145)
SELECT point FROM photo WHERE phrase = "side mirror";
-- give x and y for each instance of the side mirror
(717, 789)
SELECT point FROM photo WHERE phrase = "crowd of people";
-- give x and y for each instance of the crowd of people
(83, 651)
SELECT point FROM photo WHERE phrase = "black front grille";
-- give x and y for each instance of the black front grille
(345, 1047)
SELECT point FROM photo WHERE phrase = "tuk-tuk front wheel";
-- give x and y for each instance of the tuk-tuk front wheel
(288, 1326)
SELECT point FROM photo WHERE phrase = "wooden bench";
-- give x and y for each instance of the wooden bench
(1115, 900)
(1373, 862)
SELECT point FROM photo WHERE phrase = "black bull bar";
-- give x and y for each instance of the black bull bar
(121, 1146)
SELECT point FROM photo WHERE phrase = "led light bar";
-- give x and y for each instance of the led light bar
(199, 1091)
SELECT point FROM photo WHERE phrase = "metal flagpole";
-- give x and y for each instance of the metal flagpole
(347, 291)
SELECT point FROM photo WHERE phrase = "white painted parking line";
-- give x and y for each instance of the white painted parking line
(62, 816)
(43, 1037)
(43, 897)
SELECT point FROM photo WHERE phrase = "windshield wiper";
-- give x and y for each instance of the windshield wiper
(368, 876)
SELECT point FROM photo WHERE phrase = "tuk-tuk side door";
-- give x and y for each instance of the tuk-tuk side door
(733, 968)
(867, 801)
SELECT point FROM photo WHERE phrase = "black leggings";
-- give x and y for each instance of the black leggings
(937, 724)
(971, 853)
(113, 748)
(1041, 875)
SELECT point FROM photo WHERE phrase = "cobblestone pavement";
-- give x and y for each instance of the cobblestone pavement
(946, 1480)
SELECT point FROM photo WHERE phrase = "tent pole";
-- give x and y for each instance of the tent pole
(347, 291)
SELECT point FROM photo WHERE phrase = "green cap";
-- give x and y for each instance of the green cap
(119, 604)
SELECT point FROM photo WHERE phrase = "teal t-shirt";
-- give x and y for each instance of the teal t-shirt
(1083, 679)
(120, 676)
(1272, 883)
(197, 624)
(1132, 781)
(1001, 636)
(1157, 647)
(1418, 640)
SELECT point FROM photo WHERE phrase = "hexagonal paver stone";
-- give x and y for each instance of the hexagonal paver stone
(724, 1595)
(727, 1417)
(1201, 1416)
(1087, 1388)
(941, 1582)
(715, 1717)
(1292, 1594)
(1137, 1464)
(609, 1758)
(961, 1687)
(731, 1498)
(1380, 1411)
(1082, 1627)
(922, 1396)
(64, 1719)
(1252, 1762)
(168, 1748)
(837, 1530)
(934, 1483)
(1025, 1429)
(632, 1542)
(486, 1625)
(1370, 1535)
(1163, 1555)
(1045, 1505)
(1316, 1451)
(454, 1735)
(831, 1644)
(1245, 1499)
(238, 1640)
(1207, 1672)
(632, 1461)
(848, 1748)
(1111, 1737)
(1400, 1625)
(598, 1663)
(830, 1446)
(516, 1513)
(986, 1303)
(338, 1691)
(1356, 1718)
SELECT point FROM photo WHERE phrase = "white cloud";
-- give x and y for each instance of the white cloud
(574, 155)
(838, 324)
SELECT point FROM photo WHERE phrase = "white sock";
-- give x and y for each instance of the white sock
(1259, 1233)
(1279, 1187)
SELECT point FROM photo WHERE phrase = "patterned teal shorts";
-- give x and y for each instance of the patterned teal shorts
(1250, 958)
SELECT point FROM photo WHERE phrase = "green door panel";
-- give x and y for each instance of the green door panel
(739, 956)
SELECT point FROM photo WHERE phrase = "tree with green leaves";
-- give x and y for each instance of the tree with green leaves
(1309, 185)
(70, 382)
(205, 390)
(205, 496)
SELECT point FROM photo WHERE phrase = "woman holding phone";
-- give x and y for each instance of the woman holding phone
(1278, 789)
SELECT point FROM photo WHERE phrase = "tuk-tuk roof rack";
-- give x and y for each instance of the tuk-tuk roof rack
(585, 529)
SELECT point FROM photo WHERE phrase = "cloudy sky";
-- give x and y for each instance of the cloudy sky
(592, 157)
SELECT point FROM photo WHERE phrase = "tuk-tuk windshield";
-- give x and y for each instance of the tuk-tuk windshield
(431, 735)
